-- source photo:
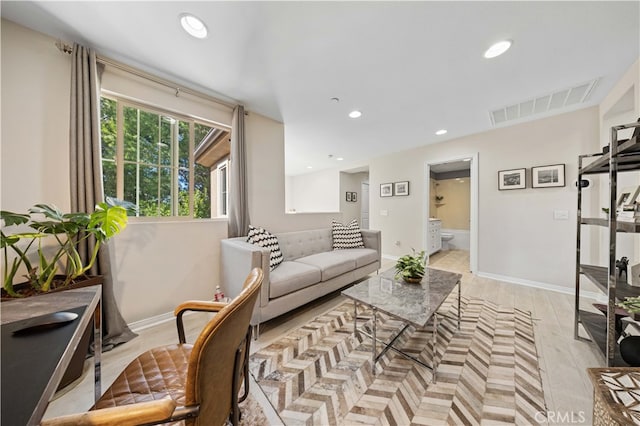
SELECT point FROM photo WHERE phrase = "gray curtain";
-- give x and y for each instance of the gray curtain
(238, 211)
(86, 180)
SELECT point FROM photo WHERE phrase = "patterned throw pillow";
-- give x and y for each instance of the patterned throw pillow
(263, 238)
(346, 236)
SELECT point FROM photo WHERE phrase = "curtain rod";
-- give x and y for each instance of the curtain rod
(68, 49)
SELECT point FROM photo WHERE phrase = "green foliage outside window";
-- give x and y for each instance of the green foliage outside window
(156, 161)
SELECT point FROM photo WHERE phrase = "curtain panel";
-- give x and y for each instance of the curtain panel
(238, 212)
(86, 180)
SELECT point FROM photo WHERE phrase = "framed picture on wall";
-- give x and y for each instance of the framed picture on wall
(512, 179)
(547, 176)
(348, 197)
(354, 197)
(401, 188)
(386, 189)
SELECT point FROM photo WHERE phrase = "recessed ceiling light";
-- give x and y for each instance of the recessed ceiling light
(309, 167)
(355, 114)
(339, 158)
(497, 49)
(192, 25)
(441, 132)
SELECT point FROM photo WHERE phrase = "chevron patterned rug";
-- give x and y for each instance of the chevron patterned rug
(320, 373)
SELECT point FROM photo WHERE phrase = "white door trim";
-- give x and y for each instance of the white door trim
(473, 227)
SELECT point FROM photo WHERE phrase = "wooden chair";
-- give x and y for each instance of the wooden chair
(184, 384)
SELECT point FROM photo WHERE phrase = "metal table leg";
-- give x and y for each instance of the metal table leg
(459, 296)
(355, 319)
(373, 342)
(97, 350)
(434, 354)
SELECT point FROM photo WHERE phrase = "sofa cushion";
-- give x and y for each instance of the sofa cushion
(346, 236)
(292, 276)
(362, 256)
(330, 263)
(263, 238)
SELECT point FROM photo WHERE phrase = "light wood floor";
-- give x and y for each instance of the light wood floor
(563, 360)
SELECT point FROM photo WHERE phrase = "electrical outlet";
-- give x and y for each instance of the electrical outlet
(561, 214)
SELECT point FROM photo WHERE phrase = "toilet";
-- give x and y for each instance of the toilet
(446, 237)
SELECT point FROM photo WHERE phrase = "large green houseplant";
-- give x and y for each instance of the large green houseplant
(411, 267)
(46, 240)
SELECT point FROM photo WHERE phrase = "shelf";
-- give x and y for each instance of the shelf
(596, 327)
(621, 226)
(599, 276)
(628, 158)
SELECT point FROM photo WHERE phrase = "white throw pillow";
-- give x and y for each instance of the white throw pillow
(346, 236)
(263, 238)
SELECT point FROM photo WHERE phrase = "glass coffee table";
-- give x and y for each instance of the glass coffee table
(412, 304)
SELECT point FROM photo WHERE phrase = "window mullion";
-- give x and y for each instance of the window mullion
(137, 157)
(119, 150)
(175, 152)
(192, 166)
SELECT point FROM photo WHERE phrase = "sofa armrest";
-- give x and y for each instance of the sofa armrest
(237, 259)
(373, 239)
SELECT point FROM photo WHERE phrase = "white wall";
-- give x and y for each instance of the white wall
(157, 264)
(316, 192)
(518, 237)
(35, 120)
(352, 182)
(265, 165)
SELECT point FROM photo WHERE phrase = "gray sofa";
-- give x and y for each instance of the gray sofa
(310, 269)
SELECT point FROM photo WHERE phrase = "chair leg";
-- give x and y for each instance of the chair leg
(256, 331)
(245, 366)
(235, 409)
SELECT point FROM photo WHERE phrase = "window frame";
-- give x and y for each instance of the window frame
(124, 101)
(222, 165)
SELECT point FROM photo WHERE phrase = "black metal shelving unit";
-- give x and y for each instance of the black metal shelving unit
(622, 156)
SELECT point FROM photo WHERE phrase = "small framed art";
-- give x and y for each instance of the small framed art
(386, 189)
(401, 188)
(547, 176)
(348, 197)
(354, 197)
(512, 179)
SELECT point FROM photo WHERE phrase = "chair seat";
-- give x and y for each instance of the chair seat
(151, 376)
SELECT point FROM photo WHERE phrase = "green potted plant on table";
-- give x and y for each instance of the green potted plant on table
(44, 248)
(45, 245)
(411, 267)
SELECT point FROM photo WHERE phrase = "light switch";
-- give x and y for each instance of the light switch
(384, 213)
(561, 214)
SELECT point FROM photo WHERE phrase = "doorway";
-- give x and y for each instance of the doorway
(451, 208)
(364, 205)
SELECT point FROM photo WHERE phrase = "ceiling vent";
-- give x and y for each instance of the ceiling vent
(542, 104)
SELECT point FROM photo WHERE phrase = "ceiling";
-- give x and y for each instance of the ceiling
(452, 166)
(410, 67)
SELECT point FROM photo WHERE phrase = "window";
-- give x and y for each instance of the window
(149, 158)
(223, 195)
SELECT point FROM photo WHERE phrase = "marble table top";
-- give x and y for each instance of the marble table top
(413, 303)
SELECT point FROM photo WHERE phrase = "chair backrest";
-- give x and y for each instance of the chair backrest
(211, 365)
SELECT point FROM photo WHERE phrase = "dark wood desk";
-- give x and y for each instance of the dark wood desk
(33, 365)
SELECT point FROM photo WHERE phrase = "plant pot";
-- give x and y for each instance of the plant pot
(74, 370)
(26, 290)
(412, 280)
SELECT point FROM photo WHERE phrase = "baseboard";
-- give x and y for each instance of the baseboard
(540, 285)
(137, 326)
